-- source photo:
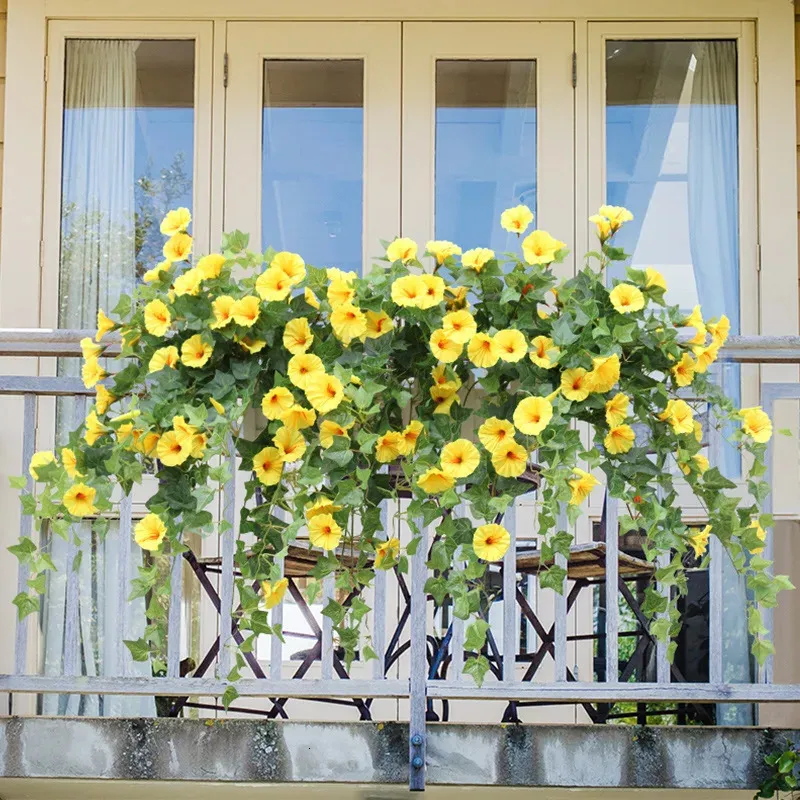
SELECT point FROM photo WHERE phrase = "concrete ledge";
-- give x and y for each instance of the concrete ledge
(618, 756)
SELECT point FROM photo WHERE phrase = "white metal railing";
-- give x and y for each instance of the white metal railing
(419, 687)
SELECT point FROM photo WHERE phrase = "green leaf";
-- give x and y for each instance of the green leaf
(335, 611)
(553, 578)
(762, 649)
(18, 481)
(229, 695)
(562, 334)
(475, 638)
(714, 479)
(26, 604)
(477, 667)
(139, 649)
(439, 560)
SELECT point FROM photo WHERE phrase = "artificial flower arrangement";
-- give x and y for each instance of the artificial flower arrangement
(458, 370)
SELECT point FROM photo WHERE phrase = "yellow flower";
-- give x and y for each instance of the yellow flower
(217, 406)
(324, 392)
(654, 279)
(378, 323)
(172, 449)
(222, 308)
(698, 431)
(433, 293)
(443, 397)
(604, 374)
(188, 283)
(157, 318)
(699, 542)
(348, 322)
(148, 444)
(756, 424)
(103, 398)
(435, 481)
(389, 446)
(459, 298)
(409, 436)
(617, 410)
(273, 592)
(252, 345)
(276, 402)
(210, 266)
(92, 373)
(440, 376)
(324, 532)
(79, 500)
(477, 258)
(176, 221)
(532, 415)
(679, 415)
(311, 298)
(460, 458)
(149, 532)
(289, 443)
(70, 462)
(442, 250)
(387, 552)
(510, 459)
(719, 330)
(195, 352)
(581, 486)
(336, 274)
(695, 320)
(760, 532)
(444, 347)
(39, 460)
(245, 312)
(483, 350)
(94, 429)
(700, 461)
(298, 417)
(408, 291)
(609, 219)
(576, 384)
(683, 371)
(404, 250)
(302, 367)
(268, 465)
(706, 356)
(297, 336)
(163, 357)
(619, 439)
(104, 325)
(273, 285)
(625, 297)
(322, 505)
(341, 291)
(89, 349)
(511, 344)
(516, 219)
(157, 271)
(290, 264)
(543, 349)
(328, 429)
(491, 542)
(540, 247)
(178, 247)
(495, 432)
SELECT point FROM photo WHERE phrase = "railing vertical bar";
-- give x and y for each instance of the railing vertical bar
(419, 661)
(275, 644)
(72, 593)
(560, 641)
(25, 528)
(662, 665)
(174, 619)
(715, 574)
(123, 583)
(328, 591)
(379, 605)
(510, 627)
(612, 582)
(765, 671)
(226, 576)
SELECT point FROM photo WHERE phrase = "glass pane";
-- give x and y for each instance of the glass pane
(313, 160)
(672, 159)
(128, 153)
(485, 149)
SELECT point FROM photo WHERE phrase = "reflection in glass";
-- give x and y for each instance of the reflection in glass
(313, 160)
(485, 149)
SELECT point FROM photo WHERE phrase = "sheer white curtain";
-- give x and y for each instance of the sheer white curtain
(97, 265)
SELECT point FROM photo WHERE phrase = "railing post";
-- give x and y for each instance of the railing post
(25, 529)
(510, 626)
(226, 576)
(328, 592)
(716, 553)
(662, 664)
(419, 661)
(612, 582)
(379, 605)
(123, 583)
(174, 619)
(560, 626)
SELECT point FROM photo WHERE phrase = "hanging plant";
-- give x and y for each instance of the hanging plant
(444, 378)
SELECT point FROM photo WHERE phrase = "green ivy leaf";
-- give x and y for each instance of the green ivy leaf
(477, 668)
(139, 649)
(475, 637)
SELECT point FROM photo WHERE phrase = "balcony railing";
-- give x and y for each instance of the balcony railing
(415, 660)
